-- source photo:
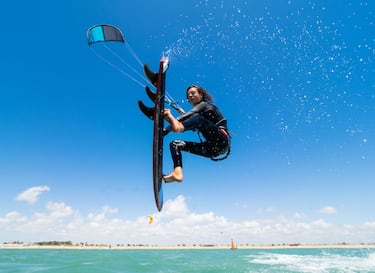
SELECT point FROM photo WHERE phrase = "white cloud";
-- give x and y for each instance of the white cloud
(12, 218)
(369, 225)
(298, 215)
(175, 208)
(265, 210)
(321, 224)
(59, 209)
(328, 210)
(31, 195)
(176, 224)
(104, 211)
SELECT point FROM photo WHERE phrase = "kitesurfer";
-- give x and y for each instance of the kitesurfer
(207, 119)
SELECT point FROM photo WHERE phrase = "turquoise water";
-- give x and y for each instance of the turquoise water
(203, 261)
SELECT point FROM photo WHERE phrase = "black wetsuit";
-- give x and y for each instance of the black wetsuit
(208, 120)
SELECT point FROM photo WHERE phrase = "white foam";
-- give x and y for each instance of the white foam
(324, 262)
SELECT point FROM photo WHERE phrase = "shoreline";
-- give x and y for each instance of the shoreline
(187, 247)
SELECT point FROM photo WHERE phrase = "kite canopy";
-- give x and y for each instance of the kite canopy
(104, 33)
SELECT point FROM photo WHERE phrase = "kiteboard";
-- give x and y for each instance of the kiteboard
(156, 114)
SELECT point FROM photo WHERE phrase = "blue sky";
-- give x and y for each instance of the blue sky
(295, 81)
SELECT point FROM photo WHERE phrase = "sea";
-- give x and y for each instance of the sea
(183, 260)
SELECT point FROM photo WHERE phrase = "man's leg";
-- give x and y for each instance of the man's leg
(176, 175)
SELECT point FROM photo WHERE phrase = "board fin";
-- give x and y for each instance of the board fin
(151, 75)
(150, 94)
(147, 111)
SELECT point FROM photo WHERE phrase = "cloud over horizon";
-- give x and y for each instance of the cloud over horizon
(176, 224)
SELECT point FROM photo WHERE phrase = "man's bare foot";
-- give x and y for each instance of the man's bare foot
(175, 176)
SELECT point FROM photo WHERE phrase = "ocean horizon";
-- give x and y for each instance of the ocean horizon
(270, 260)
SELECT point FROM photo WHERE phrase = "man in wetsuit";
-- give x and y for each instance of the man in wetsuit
(207, 119)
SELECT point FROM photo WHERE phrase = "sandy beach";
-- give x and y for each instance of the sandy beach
(181, 247)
